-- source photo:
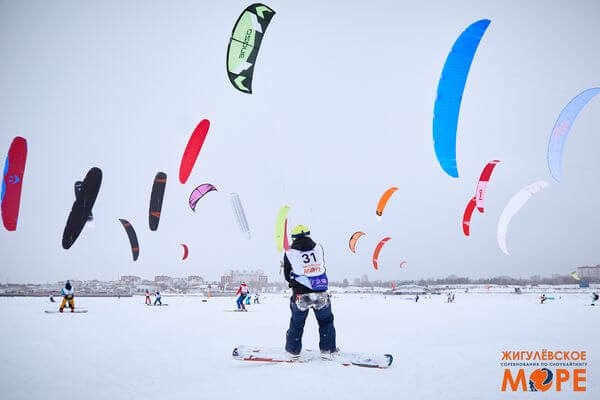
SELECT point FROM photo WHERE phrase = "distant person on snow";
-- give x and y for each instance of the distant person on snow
(148, 301)
(242, 293)
(416, 298)
(52, 298)
(542, 299)
(594, 298)
(157, 299)
(256, 298)
(68, 295)
(304, 270)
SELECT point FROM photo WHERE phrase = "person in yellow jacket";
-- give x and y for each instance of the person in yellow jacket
(68, 296)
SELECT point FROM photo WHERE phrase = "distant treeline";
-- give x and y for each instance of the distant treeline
(457, 280)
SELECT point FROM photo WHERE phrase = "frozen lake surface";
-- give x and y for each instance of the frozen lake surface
(122, 349)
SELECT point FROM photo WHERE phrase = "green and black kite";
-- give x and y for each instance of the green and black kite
(244, 43)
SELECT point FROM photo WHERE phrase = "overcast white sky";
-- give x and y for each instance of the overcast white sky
(342, 109)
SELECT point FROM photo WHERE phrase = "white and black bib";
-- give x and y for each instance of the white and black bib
(308, 267)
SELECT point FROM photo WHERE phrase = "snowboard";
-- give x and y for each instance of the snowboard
(66, 311)
(277, 354)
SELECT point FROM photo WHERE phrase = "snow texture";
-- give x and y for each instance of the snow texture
(122, 349)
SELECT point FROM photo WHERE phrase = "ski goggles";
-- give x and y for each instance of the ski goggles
(317, 300)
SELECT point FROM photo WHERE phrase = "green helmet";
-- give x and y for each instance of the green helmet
(300, 231)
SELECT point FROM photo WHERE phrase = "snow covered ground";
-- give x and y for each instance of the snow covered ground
(122, 349)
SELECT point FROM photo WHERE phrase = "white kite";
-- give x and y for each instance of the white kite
(512, 207)
(240, 216)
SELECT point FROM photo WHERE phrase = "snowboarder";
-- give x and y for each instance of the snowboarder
(242, 292)
(542, 299)
(256, 298)
(416, 298)
(68, 296)
(51, 298)
(148, 301)
(157, 299)
(304, 270)
(594, 298)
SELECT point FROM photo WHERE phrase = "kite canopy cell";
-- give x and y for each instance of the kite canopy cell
(244, 44)
(561, 130)
(12, 182)
(186, 251)
(383, 200)
(484, 179)
(240, 215)
(135, 247)
(156, 200)
(198, 193)
(353, 239)
(512, 207)
(449, 95)
(82, 207)
(378, 250)
(192, 150)
(575, 276)
(281, 237)
(77, 186)
(466, 223)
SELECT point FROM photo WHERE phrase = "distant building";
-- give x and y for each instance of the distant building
(410, 289)
(75, 283)
(362, 281)
(180, 283)
(163, 279)
(589, 273)
(195, 280)
(234, 278)
(130, 279)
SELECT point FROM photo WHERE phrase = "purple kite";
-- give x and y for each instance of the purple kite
(198, 193)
